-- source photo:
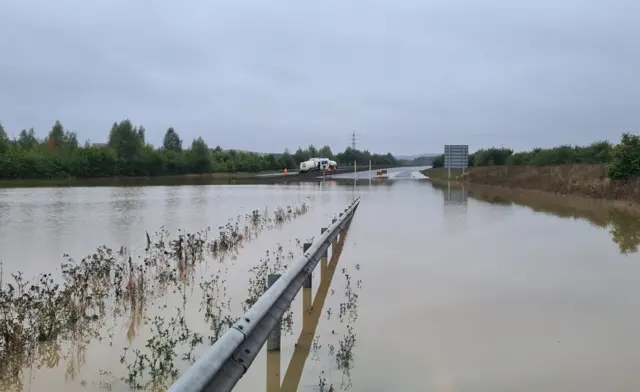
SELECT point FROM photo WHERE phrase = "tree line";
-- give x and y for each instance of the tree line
(622, 159)
(59, 155)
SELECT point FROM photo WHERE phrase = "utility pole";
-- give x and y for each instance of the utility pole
(354, 139)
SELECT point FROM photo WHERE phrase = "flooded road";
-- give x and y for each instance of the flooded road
(396, 173)
(436, 288)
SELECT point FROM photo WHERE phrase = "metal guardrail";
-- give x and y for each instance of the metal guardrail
(223, 364)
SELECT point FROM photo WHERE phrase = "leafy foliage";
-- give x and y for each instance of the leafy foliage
(172, 141)
(438, 161)
(127, 154)
(625, 158)
(622, 160)
(4, 140)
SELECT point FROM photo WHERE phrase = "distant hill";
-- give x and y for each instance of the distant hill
(276, 155)
(412, 157)
(418, 159)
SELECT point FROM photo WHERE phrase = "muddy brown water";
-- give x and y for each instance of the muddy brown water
(442, 287)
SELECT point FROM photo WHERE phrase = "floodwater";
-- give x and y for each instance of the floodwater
(437, 287)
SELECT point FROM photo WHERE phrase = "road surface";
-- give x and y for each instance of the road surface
(396, 173)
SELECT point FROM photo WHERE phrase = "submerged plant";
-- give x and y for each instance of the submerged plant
(41, 316)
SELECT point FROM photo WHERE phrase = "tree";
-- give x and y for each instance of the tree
(492, 156)
(301, 155)
(127, 154)
(141, 133)
(70, 141)
(126, 140)
(61, 140)
(199, 157)
(4, 141)
(27, 140)
(287, 161)
(325, 152)
(438, 161)
(625, 158)
(56, 135)
(172, 141)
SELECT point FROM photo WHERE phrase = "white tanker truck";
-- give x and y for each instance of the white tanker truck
(318, 164)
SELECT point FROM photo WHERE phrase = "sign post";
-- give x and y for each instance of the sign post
(456, 156)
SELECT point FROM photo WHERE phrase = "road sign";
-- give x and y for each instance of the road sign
(456, 156)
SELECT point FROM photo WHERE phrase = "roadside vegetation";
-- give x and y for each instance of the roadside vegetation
(126, 153)
(601, 170)
(155, 310)
(622, 160)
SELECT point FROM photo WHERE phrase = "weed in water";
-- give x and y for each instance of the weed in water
(40, 316)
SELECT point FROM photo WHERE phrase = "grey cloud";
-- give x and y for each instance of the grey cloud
(408, 75)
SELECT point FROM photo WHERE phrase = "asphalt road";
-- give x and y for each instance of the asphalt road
(297, 173)
(397, 173)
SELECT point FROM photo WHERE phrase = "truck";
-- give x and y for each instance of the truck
(308, 166)
(318, 164)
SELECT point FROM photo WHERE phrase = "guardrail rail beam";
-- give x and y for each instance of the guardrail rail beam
(222, 365)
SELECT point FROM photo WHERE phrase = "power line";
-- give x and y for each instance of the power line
(353, 140)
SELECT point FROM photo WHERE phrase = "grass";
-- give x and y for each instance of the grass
(576, 180)
(441, 173)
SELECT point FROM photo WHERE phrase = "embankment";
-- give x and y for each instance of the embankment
(441, 173)
(186, 179)
(576, 180)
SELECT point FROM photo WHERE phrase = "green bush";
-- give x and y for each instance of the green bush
(127, 154)
(625, 158)
(438, 161)
(622, 160)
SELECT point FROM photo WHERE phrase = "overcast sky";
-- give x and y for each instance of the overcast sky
(407, 75)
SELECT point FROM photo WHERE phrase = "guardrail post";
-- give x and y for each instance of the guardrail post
(323, 259)
(273, 349)
(306, 292)
(335, 240)
(273, 343)
(307, 281)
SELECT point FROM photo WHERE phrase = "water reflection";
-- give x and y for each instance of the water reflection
(172, 201)
(125, 202)
(458, 196)
(621, 221)
(5, 209)
(311, 318)
(55, 210)
(455, 201)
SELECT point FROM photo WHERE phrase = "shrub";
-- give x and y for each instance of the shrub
(625, 158)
